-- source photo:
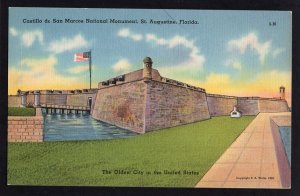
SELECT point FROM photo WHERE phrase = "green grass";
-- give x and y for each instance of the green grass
(15, 111)
(193, 147)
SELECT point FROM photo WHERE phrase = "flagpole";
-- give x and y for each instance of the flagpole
(90, 68)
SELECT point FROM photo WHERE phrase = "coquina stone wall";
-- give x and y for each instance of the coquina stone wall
(80, 99)
(122, 105)
(273, 105)
(30, 99)
(59, 99)
(142, 107)
(169, 105)
(248, 106)
(220, 105)
(26, 128)
(14, 101)
(67, 99)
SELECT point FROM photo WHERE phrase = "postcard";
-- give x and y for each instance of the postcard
(149, 98)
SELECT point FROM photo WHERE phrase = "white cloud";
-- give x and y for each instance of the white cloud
(39, 66)
(190, 65)
(13, 31)
(250, 41)
(79, 69)
(122, 66)
(126, 33)
(153, 38)
(67, 44)
(29, 37)
(277, 51)
(234, 63)
(193, 64)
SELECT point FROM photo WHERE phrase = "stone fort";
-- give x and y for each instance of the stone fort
(143, 101)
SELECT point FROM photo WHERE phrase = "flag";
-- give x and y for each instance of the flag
(78, 57)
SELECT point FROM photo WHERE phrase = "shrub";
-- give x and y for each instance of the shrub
(15, 111)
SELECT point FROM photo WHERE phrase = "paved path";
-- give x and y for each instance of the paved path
(250, 159)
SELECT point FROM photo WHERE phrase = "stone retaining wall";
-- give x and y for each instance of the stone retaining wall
(220, 105)
(169, 105)
(248, 106)
(145, 106)
(283, 163)
(80, 99)
(26, 128)
(14, 101)
(122, 105)
(269, 105)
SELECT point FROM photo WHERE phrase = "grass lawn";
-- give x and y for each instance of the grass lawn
(193, 147)
(15, 111)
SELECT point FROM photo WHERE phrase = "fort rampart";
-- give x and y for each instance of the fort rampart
(141, 106)
(220, 105)
(55, 97)
(14, 101)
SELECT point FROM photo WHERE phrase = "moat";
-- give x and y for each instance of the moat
(68, 127)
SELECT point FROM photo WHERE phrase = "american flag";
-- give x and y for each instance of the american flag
(78, 57)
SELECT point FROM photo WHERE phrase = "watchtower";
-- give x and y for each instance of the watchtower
(147, 71)
(282, 92)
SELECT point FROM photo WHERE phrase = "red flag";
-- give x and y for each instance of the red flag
(78, 57)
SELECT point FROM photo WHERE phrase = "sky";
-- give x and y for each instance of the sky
(239, 53)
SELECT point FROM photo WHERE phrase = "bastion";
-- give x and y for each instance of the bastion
(144, 101)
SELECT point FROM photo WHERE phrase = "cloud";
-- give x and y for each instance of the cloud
(190, 65)
(79, 69)
(122, 66)
(13, 31)
(234, 63)
(277, 51)
(250, 41)
(67, 44)
(29, 37)
(41, 74)
(39, 66)
(153, 38)
(126, 33)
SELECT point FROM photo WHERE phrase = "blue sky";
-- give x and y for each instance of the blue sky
(228, 52)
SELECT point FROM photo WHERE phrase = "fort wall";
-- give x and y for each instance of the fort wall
(248, 105)
(60, 99)
(122, 105)
(30, 99)
(55, 98)
(169, 105)
(80, 99)
(14, 101)
(145, 106)
(273, 105)
(220, 105)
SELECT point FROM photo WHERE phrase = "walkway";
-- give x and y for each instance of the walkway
(251, 160)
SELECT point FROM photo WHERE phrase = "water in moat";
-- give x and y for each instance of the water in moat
(67, 127)
(286, 136)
